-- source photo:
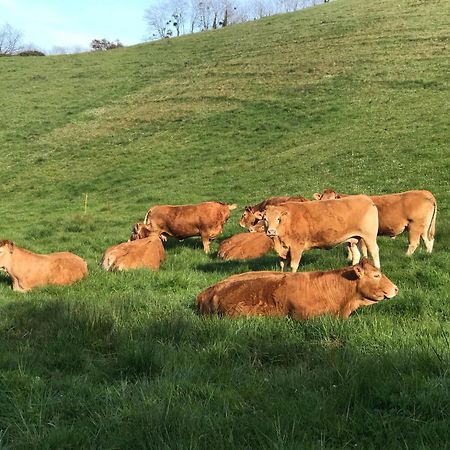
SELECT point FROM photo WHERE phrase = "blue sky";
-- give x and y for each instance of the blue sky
(70, 23)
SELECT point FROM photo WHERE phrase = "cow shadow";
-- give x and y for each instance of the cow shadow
(267, 262)
(5, 279)
(194, 243)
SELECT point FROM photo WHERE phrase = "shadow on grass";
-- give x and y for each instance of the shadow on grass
(255, 371)
(267, 262)
(5, 279)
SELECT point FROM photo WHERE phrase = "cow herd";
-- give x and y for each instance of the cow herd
(287, 225)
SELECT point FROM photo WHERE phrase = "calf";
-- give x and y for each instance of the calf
(203, 219)
(296, 227)
(29, 270)
(414, 211)
(245, 246)
(141, 230)
(145, 253)
(299, 295)
(252, 214)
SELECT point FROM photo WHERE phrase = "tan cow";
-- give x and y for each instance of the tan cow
(296, 227)
(141, 230)
(202, 219)
(252, 214)
(414, 211)
(245, 246)
(299, 295)
(29, 270)
(145, 253)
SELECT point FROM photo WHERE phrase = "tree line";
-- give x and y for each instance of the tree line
(176, 17)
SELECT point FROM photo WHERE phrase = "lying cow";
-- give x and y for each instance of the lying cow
(296, 227)
(245, 246)
(29, 270)
(141, 230)
(299, 295)
(252, 214)
(145, 253)
(411, 210)
(203, 219)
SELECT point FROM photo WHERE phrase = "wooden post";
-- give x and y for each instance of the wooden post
(85, 203)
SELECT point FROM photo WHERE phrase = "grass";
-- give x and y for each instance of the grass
(352, 95)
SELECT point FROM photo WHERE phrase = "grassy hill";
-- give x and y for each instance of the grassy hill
(353, 95)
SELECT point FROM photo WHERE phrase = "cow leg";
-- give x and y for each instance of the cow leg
(349, 252)
(296, 255)
(413, 239)
(363, 247)
(374, 251)
(205, 241)
(428, 242)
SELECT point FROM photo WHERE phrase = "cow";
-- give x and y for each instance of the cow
(141, 230)
(414, 211)
(252, 214)
(296, 227)
(298, 295)
(29, 270)
(202, 219)
(245, 246)
(147, 253)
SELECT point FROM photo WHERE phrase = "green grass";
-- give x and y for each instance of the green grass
(352, 95)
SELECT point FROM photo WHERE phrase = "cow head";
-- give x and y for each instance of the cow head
(6, 251)
(372, 284)
(328, 194)
(140, 231)
(250, 217)
(273, 217)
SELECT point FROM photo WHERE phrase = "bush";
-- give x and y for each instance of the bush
(31, 53)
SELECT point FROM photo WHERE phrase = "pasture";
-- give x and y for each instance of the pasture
(352, 95)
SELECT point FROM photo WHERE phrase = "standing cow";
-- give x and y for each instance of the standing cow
(202, 219)
(414, 211)
(296, 227)
(298, 295)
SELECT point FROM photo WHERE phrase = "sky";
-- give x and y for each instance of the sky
(70, 23)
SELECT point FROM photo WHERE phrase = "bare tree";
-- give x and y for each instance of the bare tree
(10, 40)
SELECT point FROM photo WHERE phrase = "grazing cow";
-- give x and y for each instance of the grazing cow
(203, 219)
(411, 210)
(29, 270)
(299, 295)
(145, 253)
(252, 214)
(245, 246)
(296, 227)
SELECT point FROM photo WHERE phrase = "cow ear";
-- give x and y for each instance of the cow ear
(364, 262)
(11, 246)
(359, 271)
(284, 213)
(317, 196)
(248, 208)
(258, 215)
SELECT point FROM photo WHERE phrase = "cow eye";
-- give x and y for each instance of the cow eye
(377, 275)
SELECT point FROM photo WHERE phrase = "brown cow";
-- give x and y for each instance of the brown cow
(296, 227)
(202, 219)
(299, 295)
(252, 214)
(146, 253)
(141, 230)
(29, 270)
(245, 246)
(411, 210)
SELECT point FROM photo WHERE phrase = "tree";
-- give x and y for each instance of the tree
(104, 44)
(10, 40)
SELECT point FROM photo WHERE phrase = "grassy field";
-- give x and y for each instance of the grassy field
(353, 95)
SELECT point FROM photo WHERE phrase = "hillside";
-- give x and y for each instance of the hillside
(353, 95)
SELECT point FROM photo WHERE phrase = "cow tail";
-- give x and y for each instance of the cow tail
(432, 226)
